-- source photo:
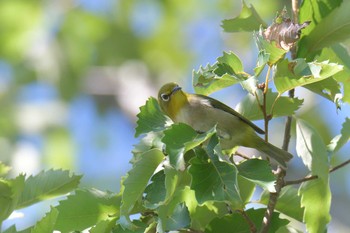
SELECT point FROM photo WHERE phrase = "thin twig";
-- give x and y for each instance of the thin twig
(307, 178)
(339, 166)
(248, 220)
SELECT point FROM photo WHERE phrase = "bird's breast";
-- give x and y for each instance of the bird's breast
(203, 118)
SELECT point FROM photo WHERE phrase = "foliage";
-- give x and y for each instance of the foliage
(180, 179)
(20, 192)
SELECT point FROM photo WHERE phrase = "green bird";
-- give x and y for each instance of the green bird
(203, 112)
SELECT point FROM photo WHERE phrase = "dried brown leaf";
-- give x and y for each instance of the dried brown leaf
(283, 31)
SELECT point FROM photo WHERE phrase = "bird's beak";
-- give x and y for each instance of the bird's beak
(177, 88)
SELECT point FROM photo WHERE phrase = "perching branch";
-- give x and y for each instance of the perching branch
(307, 178)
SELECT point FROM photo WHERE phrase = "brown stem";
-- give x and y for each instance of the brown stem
(307, 178)
(273, 200)
(339, 166)
(251, 224)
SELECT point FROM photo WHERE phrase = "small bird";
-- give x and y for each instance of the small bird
(202, 113)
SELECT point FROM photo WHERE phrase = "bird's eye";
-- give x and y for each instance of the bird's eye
(165, 97)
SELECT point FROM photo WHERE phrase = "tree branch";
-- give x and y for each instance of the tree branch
(281, 173)
(273, 200)
(307, 178)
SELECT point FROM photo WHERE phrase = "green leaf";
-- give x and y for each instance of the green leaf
(150, 118)
(340, 140)
(259, 172)
(316, 194)
(180, 218)
(250, 84)
(328, 88)
(155, 191)
(47, 184)
(263, 59)
(229, 63)
(180, 138)
(236, 223)
(339, 54)
(271, 53)
(137, 179)
(140, 228)
(248, 21)
(175, 180)
(202, 214)
(312, 150)
(85, 209)
(214, 179)
(179, 192)
(103, 226)
(172, 179)
(149, 141)
(227, 71)
(246, 188)
(290, 75)
(282, 105)
(46, 224)
(10, 193)
(316, 199)
(316, 11)
(288, 202)
(205, 81)
(334, 28)
(169, 214)
(174, 139)
(4, 169)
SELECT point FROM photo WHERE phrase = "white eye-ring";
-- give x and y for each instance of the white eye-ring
(165, 97)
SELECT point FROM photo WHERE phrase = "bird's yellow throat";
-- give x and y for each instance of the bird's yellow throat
(177, 101)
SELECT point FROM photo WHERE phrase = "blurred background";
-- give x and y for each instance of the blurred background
(73, 74)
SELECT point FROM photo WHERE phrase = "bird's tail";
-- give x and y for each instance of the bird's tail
(281, 156)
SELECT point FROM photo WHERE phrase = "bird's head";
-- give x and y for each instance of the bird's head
(171, 99)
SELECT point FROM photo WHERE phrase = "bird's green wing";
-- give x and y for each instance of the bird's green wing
(217, 104)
